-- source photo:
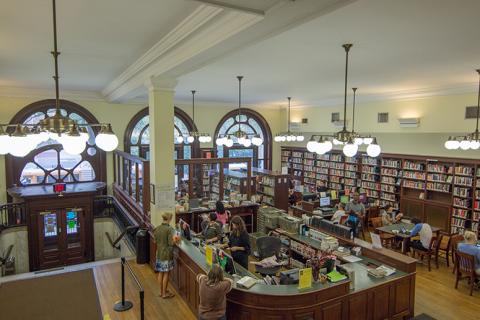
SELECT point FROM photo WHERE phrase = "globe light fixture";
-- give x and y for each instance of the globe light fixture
(66, 131)
(312, 145)
(288, 136)
(373, 149)
(349, 139)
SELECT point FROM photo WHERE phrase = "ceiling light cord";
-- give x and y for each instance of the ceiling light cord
(239, 99)
(193, 105)
(478, 102)
(55, 54)
(288, 125)
(353, 116)
(347, 48)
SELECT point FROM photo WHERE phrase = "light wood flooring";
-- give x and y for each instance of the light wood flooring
(434, 295)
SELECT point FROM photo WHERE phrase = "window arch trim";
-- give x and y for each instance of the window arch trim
(14, 167)
(267, 133)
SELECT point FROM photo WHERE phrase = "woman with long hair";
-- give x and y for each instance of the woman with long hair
(239, 241)
(212, 289)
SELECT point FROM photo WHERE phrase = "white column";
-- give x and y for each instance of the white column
(162, 166)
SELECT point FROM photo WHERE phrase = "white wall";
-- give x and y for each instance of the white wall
(19, 238)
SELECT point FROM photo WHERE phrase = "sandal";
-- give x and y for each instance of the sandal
(168, 295)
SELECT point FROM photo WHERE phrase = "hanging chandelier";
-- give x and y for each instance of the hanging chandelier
(350, 140)
(471, 140)
(20, 139)
(288, 136)
(192, 135)
(239, 137)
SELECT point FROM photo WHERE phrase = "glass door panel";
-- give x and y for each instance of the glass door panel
(50, 239)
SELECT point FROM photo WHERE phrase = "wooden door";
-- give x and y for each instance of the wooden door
(49, 239)
(61, 238)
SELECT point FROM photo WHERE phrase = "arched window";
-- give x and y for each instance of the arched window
(137, 136)
(252, 123)
(49, 163)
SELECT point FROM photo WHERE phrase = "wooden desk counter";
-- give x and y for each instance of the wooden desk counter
(388, 298)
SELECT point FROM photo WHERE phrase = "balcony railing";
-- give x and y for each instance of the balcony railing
(131, 184)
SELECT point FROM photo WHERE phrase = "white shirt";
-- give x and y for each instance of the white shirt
(337, 216)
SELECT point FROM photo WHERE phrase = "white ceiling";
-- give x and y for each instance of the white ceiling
(98, 39)
(401, 49)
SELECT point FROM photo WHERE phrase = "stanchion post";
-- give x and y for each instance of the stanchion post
(123, 305)
(142, 311)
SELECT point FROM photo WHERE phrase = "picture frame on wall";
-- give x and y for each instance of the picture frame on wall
(152, 193)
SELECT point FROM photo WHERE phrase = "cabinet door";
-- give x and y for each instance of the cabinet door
(50, 246)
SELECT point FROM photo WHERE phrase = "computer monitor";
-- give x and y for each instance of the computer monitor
(193, 203)
(344, 199)
(309, 196)
(228, 265)
(325, 202)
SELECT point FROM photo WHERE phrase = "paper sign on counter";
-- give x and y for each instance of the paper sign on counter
(305, 278)
(209, 255)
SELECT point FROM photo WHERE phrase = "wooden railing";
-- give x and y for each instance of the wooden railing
(12, 215)
(131, 184)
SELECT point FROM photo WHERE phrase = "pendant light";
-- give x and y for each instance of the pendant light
(288, 136)
(240, 137)
(350, 140)
(192, 135)
(471, 140)
(71, 134)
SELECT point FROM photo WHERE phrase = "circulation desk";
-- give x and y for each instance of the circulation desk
(387, 298)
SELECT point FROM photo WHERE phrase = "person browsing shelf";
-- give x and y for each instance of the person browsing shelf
(470, 247)
(239, 242)
(213, 289)
(212, 231)
(339, 214)
(424, 231)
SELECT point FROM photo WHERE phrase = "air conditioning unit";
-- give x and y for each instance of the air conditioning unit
(294, 126)
(409, 122)
(339, 123)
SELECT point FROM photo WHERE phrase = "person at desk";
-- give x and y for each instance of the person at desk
(389, 217)
(212, 290)
(339, 214)
(212, 231)
(424, 231)
(358, 208)
(321, 187)
(470, 247)
(222, 215)
(239, 242)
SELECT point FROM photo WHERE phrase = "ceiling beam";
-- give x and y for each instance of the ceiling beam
(224, 5)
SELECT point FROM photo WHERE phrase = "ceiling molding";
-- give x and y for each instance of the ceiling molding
(186, 27)
(400, 95)
(194, 37)
(231, 6)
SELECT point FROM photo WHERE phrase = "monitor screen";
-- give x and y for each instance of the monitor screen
(325, 202)
(226, 263)
(344, 199)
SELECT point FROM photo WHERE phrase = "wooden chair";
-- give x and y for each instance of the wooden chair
(443, 248)
(427, 253)
(465, 266)
(372, 212)
(387, 239)
(455, 239)
(343, 219)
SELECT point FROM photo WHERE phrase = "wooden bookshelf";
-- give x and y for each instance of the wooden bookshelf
(272, 187)
(445, 192)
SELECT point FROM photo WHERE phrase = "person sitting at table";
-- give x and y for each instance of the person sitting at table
(424, 231)
(389, 217)
(469, 246)
(213, 289)
(239, 242)
(212, 231)
(339, 214)
(292, 199)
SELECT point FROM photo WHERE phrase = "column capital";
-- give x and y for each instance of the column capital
(161, 83)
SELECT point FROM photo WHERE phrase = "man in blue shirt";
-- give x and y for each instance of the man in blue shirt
(470, 247)
(424, 231)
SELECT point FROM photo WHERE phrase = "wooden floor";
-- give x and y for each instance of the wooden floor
(435, 295)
